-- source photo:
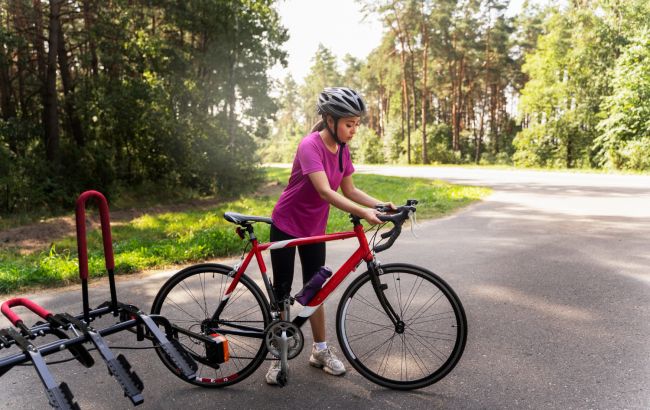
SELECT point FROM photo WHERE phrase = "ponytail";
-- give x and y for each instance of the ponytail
(319, 126)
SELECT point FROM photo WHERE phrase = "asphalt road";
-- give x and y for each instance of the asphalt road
(552, 270)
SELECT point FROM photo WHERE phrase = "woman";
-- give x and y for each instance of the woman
(322, 165)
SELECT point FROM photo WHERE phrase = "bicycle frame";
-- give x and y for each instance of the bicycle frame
(362, 253)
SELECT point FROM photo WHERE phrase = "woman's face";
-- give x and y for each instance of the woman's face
(347, 127)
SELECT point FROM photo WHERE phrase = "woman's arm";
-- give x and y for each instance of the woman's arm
(355, 194)
(322, 186)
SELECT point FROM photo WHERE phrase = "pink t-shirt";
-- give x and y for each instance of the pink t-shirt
(301, 211)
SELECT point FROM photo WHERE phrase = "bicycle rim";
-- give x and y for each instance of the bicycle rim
(191, 296)
(435, 328)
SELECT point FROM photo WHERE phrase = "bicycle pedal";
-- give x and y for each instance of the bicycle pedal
(62, 398)
(282, 378)
(132, 385)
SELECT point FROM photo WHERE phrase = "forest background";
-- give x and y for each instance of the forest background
(165, 96)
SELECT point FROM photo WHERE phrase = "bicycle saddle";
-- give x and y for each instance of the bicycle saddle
(240, 219)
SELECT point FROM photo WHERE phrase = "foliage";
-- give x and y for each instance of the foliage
(442, 67)
(366, 147)
(625, 126)
(174, 93)
(585, 104)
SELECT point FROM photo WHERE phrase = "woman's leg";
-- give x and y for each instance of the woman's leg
(312, 257)
(282, 261)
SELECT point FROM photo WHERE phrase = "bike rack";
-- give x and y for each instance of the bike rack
(73, 331)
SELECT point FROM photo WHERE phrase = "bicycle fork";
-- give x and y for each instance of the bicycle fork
(374, 269)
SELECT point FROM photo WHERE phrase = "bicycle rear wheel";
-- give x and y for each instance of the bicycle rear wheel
(189, 299)
(431, 342)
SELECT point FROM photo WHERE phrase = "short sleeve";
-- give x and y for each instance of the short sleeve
(309, 158)
(349, 168)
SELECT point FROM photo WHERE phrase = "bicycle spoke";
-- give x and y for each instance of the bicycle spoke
(386, 357)
(205, 302)
(363, 320)
(410, 350)
(440, 355)
(358, 336)
(370, 305)
(412, 293)
(432, 334)
(434, 318)
(187, 289)
(179, 308)
(376, 348)
(417, 312)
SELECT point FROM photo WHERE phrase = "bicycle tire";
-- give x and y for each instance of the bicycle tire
(435, 325)
(192, 296)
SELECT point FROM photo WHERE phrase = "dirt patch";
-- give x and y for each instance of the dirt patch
(31, 238)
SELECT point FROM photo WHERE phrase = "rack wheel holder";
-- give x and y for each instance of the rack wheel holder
(73, 331)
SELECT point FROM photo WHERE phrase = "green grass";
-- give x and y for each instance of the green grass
(155, 241)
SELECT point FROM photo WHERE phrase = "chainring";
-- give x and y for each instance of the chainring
(273, 333)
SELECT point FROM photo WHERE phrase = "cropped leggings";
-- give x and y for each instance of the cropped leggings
(312, 257)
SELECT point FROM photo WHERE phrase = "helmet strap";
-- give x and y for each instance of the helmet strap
(336, 138)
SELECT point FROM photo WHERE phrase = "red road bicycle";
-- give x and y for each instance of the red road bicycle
(399, 325)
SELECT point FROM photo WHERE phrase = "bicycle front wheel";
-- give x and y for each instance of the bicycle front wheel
(417, 354)
(190, 298)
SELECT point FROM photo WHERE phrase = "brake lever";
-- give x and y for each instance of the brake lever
(413, 220)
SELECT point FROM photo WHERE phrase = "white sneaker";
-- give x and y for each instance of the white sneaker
(327, 360)
(272, 373)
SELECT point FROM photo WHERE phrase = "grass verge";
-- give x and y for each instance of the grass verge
(160, 240)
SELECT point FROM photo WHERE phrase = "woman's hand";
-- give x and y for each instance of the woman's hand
(386, 207)
(370, 215)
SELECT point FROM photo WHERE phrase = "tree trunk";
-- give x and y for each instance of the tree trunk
(68, 90)
(7, 107)
(494, 120)
(47, 73)
(89, 18)
(50, 101)
(425, 95)
(406, 109)
(412, 75)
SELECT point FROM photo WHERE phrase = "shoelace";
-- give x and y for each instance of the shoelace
(329, 356)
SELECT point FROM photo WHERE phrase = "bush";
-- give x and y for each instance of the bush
(438, 145)
(367, 147)
(635, 154)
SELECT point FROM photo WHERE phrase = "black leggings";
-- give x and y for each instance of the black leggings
(312, 257)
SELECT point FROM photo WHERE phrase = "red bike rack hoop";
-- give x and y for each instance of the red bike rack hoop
(82, 245)
(33, 306)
